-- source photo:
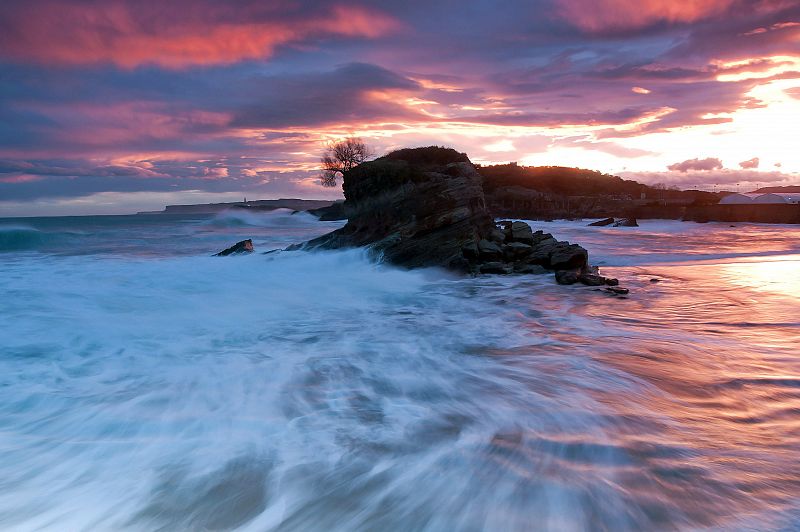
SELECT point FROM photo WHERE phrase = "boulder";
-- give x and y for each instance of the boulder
(470, 250)
(524, 267)
(626, 222)
(568, 256)
(521, 232)
(540, 253)
(497, 235)
(496, 267)
(602, 223)
(610, 281)
(566, 276)
(516, 250)
(617, 290)
(489, 250)
(245, 246)
(592, 279)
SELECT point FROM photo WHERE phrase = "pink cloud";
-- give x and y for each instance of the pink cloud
(169, 35)
(20, 178)
(750, 163)
(610, 15)
(703, 165)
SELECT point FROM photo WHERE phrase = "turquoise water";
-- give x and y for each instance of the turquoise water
(145, 385)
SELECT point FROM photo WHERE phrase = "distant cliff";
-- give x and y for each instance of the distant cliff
(258, 205)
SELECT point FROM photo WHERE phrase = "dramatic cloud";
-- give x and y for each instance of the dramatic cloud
(704, 165)
(750, 163)
(744, 180)
(616, 15)
(136, 96)
(170, 34)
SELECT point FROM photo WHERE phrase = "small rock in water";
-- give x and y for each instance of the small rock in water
(591, 279)
(627, 222)
(602, 223)
(617, 290)
(611, 281)
(245, 246)
(566, 277)
(655, 280)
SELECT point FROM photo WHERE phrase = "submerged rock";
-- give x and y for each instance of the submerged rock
(627, 222)
(245, 246)
(617, 290)
(602, 223)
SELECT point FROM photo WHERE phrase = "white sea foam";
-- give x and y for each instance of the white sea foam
(300, 391)
(273, 218)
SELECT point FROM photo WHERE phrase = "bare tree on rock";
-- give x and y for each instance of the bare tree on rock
(342, 156)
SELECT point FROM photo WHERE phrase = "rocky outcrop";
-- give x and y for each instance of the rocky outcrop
(626, 222)
(425, 207)
(245, 246)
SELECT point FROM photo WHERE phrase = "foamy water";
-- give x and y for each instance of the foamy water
(145, 385)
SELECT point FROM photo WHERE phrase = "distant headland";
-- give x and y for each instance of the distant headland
(257, 205)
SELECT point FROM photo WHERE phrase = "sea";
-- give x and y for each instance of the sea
(147, 385)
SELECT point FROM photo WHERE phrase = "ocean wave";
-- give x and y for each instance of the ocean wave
(275, 218)
(18, 238)
(24, 238)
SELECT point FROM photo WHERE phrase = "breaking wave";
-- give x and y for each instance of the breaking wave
(274, 218)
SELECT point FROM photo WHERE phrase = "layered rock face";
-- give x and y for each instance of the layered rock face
(425, 207)
(415, 208)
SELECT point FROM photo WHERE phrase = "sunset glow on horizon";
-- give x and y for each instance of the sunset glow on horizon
(144, 101)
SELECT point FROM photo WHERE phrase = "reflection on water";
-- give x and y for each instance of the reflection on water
(321, 392)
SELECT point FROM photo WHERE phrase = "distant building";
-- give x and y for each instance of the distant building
(770, 198)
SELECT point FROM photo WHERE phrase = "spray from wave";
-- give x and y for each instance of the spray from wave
(274, 218)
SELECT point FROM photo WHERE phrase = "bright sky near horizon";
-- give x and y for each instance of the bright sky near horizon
(111, 106)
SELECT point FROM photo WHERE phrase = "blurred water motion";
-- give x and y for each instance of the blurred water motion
(149, 388)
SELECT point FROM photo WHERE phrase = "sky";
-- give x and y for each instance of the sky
(115, 106)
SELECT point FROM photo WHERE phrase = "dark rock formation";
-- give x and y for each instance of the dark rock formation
(592, 279)
(602, 223)
(567, 277)
(429, 213)
(626, 222)
(245, 246)
(617, 290)
(330, 213)
(425, 207)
